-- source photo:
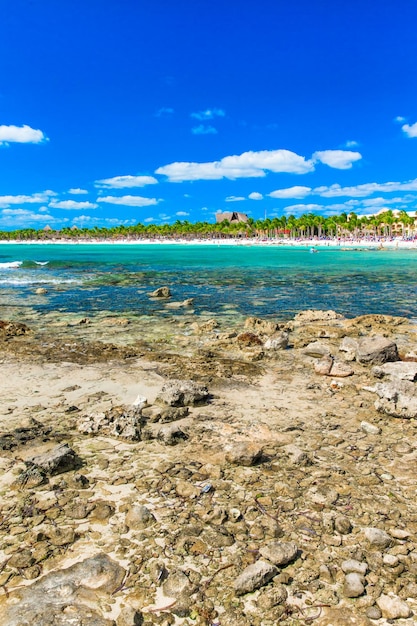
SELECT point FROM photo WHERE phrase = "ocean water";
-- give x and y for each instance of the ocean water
(270, 281)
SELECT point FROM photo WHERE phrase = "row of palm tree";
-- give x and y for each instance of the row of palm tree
(308, 225)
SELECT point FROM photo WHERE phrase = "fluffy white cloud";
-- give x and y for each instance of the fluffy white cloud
(182, 213)
(365, 189)
(339, 159)
(20, 134)
(123, 182)
(128, 200)
(36, 198)
(298, 191)
(246, 165)
(255, 195)
(72, 205)
(235, 198)
(302, 208)
(208, 114)
(410, 130)
(77, 191)
(88, 220)
(23, 218)
(204, 130)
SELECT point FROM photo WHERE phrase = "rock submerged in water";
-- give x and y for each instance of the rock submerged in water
(161, 292)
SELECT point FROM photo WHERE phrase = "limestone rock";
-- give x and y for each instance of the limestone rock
(376, 350)
(317, 349)
(398, 398)
(305, 317)
(254, 576)
(393, 607)
(377, 537)
(182, 393)
(161, 292)
(280, 553)
(353, 586)
(244, 453)
(60, 459)
(278, 342)
(398, 369)
(264, 327)
(67, 596)
(139, 517)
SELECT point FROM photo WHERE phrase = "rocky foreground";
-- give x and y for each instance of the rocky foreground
(256, 476)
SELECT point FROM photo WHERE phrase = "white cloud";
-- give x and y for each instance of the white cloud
(298, 191)
(351, 143)
(182, 213)
(204, 130)
(148, 220)
(235, 199)
(208, 114)
(88, 220)
(365, 189)
(36, 198)
(400, 119)
(72, 205)
(338, 159)
(164, 112)
(410, 131)
(246, 165)
(123, 182)
(20, 134)
(77, 191)
(128, 200)
(23, 218)
(303, 208)
(255, 195)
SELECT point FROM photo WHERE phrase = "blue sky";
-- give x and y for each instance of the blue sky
(118, 112)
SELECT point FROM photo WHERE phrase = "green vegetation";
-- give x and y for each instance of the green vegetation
(386, 224)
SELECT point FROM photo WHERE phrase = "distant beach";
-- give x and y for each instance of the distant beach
(371, 243)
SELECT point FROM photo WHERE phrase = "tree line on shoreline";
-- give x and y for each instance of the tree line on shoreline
(309, 225)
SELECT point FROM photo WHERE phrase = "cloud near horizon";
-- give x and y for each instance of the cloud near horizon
(136, 201)
(20, 134)
(124, 182)
(336, 190)
(256, 165)
(72, 205)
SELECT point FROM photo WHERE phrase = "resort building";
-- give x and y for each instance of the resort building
(231, 216)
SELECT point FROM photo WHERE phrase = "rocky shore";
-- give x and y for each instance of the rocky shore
(259, 474)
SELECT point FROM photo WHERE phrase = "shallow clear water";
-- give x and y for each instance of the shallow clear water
(270, 281)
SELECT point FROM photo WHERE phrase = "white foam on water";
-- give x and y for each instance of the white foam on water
(10, 264)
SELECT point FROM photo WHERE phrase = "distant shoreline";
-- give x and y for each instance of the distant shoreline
(380, 243)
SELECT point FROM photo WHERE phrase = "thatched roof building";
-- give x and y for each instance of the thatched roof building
(232, 217)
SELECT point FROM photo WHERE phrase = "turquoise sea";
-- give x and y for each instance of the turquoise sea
(266, 281)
